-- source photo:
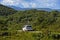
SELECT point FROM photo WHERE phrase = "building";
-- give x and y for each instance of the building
(27, 28)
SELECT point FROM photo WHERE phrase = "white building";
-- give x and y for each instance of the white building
(27, 28)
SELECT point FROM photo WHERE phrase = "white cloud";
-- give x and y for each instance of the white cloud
(46, 3)
(7, 2)
(31, 4)
(26, 5)
(11, 2)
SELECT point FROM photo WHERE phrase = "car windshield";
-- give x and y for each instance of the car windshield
(28, 26)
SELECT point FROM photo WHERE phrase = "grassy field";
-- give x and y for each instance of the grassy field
(30, 35)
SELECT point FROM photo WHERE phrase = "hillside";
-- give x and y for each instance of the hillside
(46, 22)
(37, 18)
(4, 10)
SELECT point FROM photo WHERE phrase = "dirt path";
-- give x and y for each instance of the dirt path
(30, 31)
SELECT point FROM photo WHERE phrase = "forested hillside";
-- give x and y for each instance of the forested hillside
(37, 18)
(46, 22)
(4, 10)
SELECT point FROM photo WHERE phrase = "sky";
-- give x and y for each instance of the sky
(53, 4)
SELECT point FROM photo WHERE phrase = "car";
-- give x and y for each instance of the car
(27, 28)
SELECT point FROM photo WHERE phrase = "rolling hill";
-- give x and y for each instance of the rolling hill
(48, 23)
(4, 10)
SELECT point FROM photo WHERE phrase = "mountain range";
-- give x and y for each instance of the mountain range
(46, 9)
(19, 8)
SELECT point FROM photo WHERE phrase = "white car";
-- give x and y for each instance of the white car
(27, 28)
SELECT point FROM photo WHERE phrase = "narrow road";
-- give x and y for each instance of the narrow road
(30, 31)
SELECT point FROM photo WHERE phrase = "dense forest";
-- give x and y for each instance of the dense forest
(48, 22)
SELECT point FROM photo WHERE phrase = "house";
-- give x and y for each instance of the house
(27, 28)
